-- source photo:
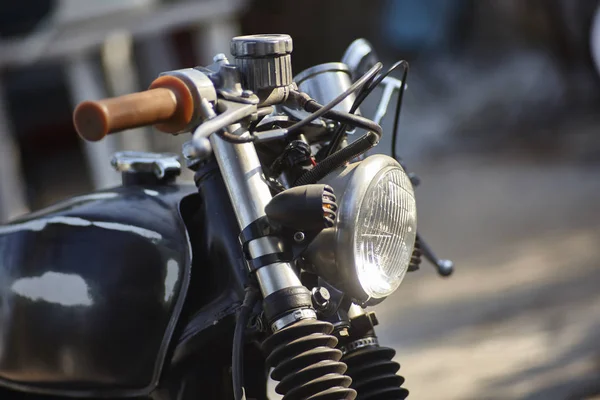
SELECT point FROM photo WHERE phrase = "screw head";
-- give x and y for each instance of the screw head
(196, 150)
(246, 94)
(299, 237)
(320, 297)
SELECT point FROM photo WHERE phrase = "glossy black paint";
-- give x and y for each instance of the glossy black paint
(90, 292)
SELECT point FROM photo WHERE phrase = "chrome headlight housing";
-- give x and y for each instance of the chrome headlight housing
(367, 253)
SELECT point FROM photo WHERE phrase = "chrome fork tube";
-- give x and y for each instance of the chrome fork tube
(249, 194)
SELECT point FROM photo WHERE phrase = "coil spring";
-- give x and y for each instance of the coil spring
(415, 258)
(306, 362)
(373, 374)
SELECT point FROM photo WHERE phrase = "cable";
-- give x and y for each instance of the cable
(346, 118)
(365, 142)
(305, 100)
(398, 108)
(363, 94)
(338, 135)
(237, 359)
(339, 158)
(367, 91)
(353, 88)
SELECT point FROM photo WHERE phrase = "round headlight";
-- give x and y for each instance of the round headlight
(367, 253)
(385, 233)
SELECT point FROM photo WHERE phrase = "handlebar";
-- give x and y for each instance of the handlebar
(168, 104)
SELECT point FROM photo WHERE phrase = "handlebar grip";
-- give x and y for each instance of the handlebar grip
(168, 104)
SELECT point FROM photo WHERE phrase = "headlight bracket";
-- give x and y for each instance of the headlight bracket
(295, 217)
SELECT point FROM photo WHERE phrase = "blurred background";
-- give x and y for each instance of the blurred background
(501, 121)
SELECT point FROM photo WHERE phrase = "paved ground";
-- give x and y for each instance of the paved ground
(520, 319)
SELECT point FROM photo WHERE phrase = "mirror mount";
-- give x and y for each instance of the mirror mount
(359, 57)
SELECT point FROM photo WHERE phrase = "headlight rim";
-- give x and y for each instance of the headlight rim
(349, 206)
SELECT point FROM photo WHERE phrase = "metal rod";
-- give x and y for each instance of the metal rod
(444, 267)
(249, 194)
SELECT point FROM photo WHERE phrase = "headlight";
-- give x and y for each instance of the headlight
(368, 251)
(385, 233)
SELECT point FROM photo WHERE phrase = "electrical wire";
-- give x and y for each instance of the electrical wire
(397, 112)
(322, 110)
(346, 118)
(338, 135)
(339, 158)
(367, 91)
(362, 144)
(237, 358)
(329, 106)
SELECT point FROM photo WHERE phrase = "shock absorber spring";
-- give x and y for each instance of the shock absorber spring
(306, 362)
(373, 372)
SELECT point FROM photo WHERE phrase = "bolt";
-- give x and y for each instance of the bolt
(247, 94)
(320, 297)
(299, 237)
(220, 58)
(196, 149)
(189, 150)
(344, 332)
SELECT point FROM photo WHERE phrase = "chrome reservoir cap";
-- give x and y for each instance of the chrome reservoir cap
(261, 45)
(264, 61)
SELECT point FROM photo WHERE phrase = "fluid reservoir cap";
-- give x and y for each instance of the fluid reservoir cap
(265, 62)
(145, 167)
(256, 46)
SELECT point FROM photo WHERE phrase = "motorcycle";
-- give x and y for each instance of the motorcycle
(164, 290)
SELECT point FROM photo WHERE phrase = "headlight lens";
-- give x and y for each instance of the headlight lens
(385, 232)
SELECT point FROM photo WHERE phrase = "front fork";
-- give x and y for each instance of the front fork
(249, 194)
(301, 349)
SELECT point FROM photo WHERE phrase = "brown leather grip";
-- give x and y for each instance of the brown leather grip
(168, 104)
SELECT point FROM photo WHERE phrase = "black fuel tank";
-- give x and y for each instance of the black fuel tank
(90, 292)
